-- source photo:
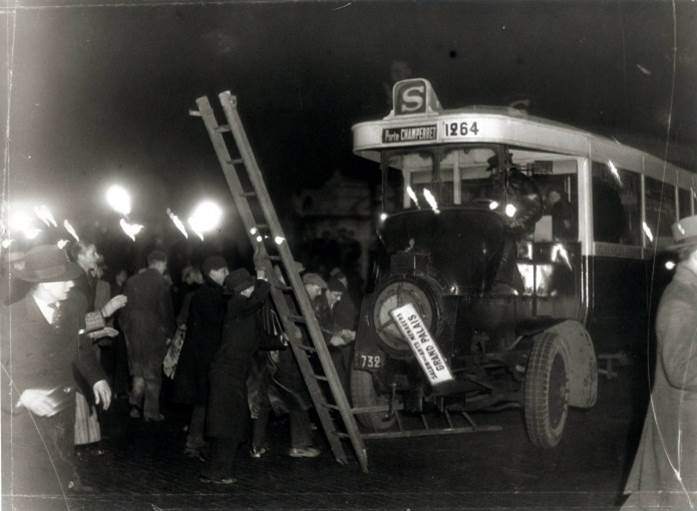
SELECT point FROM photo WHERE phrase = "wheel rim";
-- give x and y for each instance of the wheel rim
(557, 391)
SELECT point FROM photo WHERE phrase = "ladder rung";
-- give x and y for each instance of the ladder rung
(274, 257)
(235, 161)
(223, 128)
(283, 287)
(331, 406)
(303, 347)
(248, 194)
(194, 113)
(296, 318)
(320, 377)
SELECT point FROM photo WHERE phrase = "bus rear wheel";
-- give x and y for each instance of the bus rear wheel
(546, 392)
(363, 394)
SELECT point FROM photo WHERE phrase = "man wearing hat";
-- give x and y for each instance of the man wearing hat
(42, 349)
(204, 329)
(664, 473)
(147, 321)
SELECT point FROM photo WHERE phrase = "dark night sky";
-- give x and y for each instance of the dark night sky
(101, 93)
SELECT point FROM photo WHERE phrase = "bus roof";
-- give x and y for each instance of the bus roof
(417, 119)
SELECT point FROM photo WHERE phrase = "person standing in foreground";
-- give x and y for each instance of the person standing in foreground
(664, 473)
(43, 348)
(147, 322)
(204, 330)
(228, 409)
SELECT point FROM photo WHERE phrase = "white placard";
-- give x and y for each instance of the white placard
(422, 344)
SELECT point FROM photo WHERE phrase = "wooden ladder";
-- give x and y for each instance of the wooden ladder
(287, 290)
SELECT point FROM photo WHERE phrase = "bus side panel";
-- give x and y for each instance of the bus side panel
(618, 314)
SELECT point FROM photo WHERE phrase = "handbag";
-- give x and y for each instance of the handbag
(273, 337)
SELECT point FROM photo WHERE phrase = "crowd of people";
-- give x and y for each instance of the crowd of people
(78, 343)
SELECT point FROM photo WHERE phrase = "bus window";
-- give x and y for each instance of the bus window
(560, 193)
(616, 205)
(660, 211)
(684, 203)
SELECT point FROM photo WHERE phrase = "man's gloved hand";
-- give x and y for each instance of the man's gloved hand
(102, 394)
(113, 305)
(337, 341)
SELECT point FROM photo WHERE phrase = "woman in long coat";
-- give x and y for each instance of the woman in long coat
(228, 410)
(664, 473)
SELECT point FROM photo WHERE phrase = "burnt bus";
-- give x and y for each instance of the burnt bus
(515, 250)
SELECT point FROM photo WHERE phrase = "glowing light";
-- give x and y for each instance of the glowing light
(177, 223)
(279, 240)
(670, 265)
(253, 231)
(647, 231)
(6, 243)
(431, 200)
(20, 222)
(119, 199)
(259, 239)
(412, 196)
(131, 230)
(383, 216)
(205, 218)
(70, 230)
(32, 233)
(62, 243)
(681, 229)
(493, 205)
(559, 251)
(510, 210)
(615, 173)
(44, 214)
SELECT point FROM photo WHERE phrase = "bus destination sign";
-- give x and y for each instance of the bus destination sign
(409, 134)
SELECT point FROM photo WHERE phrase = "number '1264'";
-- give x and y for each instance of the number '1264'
(461, 129)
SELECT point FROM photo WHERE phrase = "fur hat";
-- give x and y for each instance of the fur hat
(46, 263)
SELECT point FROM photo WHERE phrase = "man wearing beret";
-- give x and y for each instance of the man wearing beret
(204, 330)
(147, 322)
(42, 348)
(664, 473)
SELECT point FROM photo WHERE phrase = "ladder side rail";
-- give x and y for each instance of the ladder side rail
(229, 104)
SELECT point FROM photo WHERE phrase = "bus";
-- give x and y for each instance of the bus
(515, 250)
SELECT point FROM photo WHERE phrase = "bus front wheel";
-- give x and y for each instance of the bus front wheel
(546, 391)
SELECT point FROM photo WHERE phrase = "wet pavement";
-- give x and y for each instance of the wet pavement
(144, 468)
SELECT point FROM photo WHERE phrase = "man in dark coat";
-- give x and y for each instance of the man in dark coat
(228, 409)
(204, 330)
(147, 322)
(43, 348)
(664, 473)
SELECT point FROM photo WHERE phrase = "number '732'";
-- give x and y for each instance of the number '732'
(460, 129)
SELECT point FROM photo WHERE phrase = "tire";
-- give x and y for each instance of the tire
(546, 391)
(363, 394)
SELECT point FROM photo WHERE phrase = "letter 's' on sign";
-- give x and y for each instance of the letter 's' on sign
(414, 96)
